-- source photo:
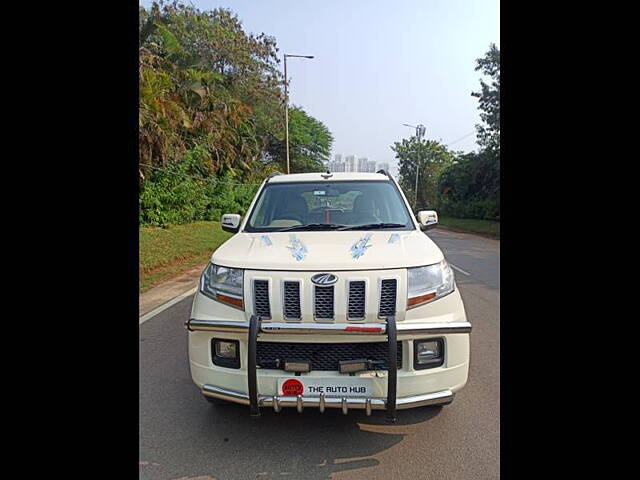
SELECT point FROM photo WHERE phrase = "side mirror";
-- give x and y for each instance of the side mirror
(427, 219)
(231, 222)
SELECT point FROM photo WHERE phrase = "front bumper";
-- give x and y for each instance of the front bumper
(345, 403)
(390, 330)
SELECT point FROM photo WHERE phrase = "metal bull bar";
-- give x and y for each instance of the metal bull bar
(392, 378)
(254, 400)
(252, 373)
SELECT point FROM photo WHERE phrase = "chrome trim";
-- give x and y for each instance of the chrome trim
(216, 325)
(436, 398)
(433, 328)
(328, 328)
(404, 328)
(324, 279)
(224, 394)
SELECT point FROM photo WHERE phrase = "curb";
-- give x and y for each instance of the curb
(154, 299)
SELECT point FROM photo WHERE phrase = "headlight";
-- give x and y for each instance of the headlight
(426, 284)
(223, 284)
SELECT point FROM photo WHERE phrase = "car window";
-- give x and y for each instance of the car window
(283, 205)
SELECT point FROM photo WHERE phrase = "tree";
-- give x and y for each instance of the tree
(472, 176)
(309, 143)
(470, 187)
(489, 99)
(205, 82)
(211, 96)
(460, 185)
(432, 158)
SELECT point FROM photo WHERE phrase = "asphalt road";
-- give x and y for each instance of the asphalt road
(184, 437)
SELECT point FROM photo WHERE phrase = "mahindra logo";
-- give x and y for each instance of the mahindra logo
(324, 279)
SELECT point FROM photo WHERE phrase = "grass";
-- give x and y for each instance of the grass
(168, 252)
(486, 228)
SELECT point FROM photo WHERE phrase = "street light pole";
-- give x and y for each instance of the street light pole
(420, 130)
(286, 105)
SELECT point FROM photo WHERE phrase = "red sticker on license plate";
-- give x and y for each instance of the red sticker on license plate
(292, 387)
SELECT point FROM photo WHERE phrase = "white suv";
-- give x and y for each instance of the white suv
(329, 295)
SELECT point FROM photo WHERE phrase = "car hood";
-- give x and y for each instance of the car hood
(328, 250)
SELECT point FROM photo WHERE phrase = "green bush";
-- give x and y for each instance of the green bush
(483, 209)
(186, 191)
(470, 188)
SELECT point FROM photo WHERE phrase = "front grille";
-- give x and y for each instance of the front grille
(387, 298)
(356, 300)
(292, 300)
(261, 298)
(323, 306)
(323, 356)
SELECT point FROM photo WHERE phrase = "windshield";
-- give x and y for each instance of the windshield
(329, 206)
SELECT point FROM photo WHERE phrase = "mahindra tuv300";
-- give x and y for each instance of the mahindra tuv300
(329, 295)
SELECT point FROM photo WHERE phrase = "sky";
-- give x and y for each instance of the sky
(379, 64)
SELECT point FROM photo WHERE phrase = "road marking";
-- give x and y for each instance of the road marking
(166, 305)
(459, 269)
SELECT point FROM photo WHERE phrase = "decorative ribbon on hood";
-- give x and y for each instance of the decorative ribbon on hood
(265, 241)
(358, 248)
(394, 238)
(298, 250)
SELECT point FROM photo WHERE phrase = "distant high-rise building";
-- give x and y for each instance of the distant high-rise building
(336, 167)
(350, 164)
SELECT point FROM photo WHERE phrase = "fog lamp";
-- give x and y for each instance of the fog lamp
(225, 349)
(428, 353)
(225, 353)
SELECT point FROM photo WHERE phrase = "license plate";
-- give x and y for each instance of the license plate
(334, 387)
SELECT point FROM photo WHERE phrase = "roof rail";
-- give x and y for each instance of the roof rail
(271, 175)
(384, 172)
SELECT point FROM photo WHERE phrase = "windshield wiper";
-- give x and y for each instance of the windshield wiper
(312, 226)
(372, 226)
